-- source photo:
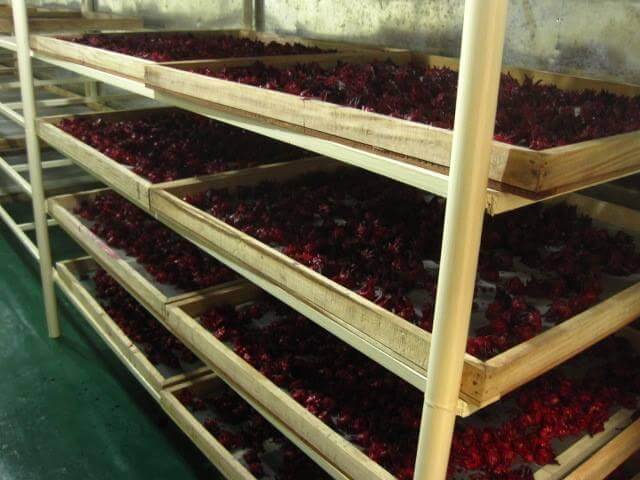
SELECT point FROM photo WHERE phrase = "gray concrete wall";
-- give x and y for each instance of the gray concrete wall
(597, 37)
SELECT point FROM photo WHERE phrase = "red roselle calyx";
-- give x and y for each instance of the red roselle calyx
(165, 146)
(361, 241)
(242, 431)
(166, 47)
(530, 113)
(381, 413)
(138, 324)
(168, 257)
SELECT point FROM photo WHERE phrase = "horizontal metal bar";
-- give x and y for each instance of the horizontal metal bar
(19, 233)
(43, 83)
(75, 100)
(22, 182)
(11, 114)
(9, 69)
(27, 227)
(45, 164)
(51, 102)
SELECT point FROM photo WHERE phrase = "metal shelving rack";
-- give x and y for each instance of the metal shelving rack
(466, 188)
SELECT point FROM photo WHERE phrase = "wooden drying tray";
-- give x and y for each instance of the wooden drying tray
(71, 275)
(134, 67)
(483, 382)
(183, 320)
(53, 20)
(124, 269)
(120, 177)
(209, 445)
(523, 171)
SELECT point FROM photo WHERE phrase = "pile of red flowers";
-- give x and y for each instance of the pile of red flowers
(171, 145)
(530, 114)
(377, 245)
(381, 413)
(242, 431)
(165, 255)
(235, 424)
(159, 346)
(167, 47)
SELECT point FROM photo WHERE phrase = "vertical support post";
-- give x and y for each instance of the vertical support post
(91, 88)
(480, 62)
(87, 6)
(248, 15)
(21, 27)
(259, 15)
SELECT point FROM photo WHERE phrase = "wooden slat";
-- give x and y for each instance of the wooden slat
(122, 179)
(133, 67)
(611, 456)
(120, 268)
(123, 65)
(224, 461)
(70, 272)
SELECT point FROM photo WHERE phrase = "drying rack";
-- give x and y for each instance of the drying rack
(465, 184)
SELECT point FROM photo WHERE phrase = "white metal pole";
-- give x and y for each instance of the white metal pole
(21, 29)
(248, 14)
(87, 6)
(91, 88)
(480, 63)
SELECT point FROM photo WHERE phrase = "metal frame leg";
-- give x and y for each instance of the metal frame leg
(21, 28)
(480, 62)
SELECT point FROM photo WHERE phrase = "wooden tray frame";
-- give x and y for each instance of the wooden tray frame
(120, 268)
(217, 454)
(530, 173)
(134, 68)
(70, 274)
(183, 321)
(207, 442)
(483, 382)
(611, 456)
(119, 177)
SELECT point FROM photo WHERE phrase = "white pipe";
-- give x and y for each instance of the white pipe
(13, 174)
(44, 82)
(27, 227)
(480, 63)
(21, 29)
(19, 233)
(68, 101)
(47, 164)
(87, 7)
(11, 114)
(248, 15)
(91, 91)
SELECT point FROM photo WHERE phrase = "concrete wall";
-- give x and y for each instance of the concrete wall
(597, 37)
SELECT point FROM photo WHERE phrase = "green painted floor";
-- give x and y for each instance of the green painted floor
(68, 408)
